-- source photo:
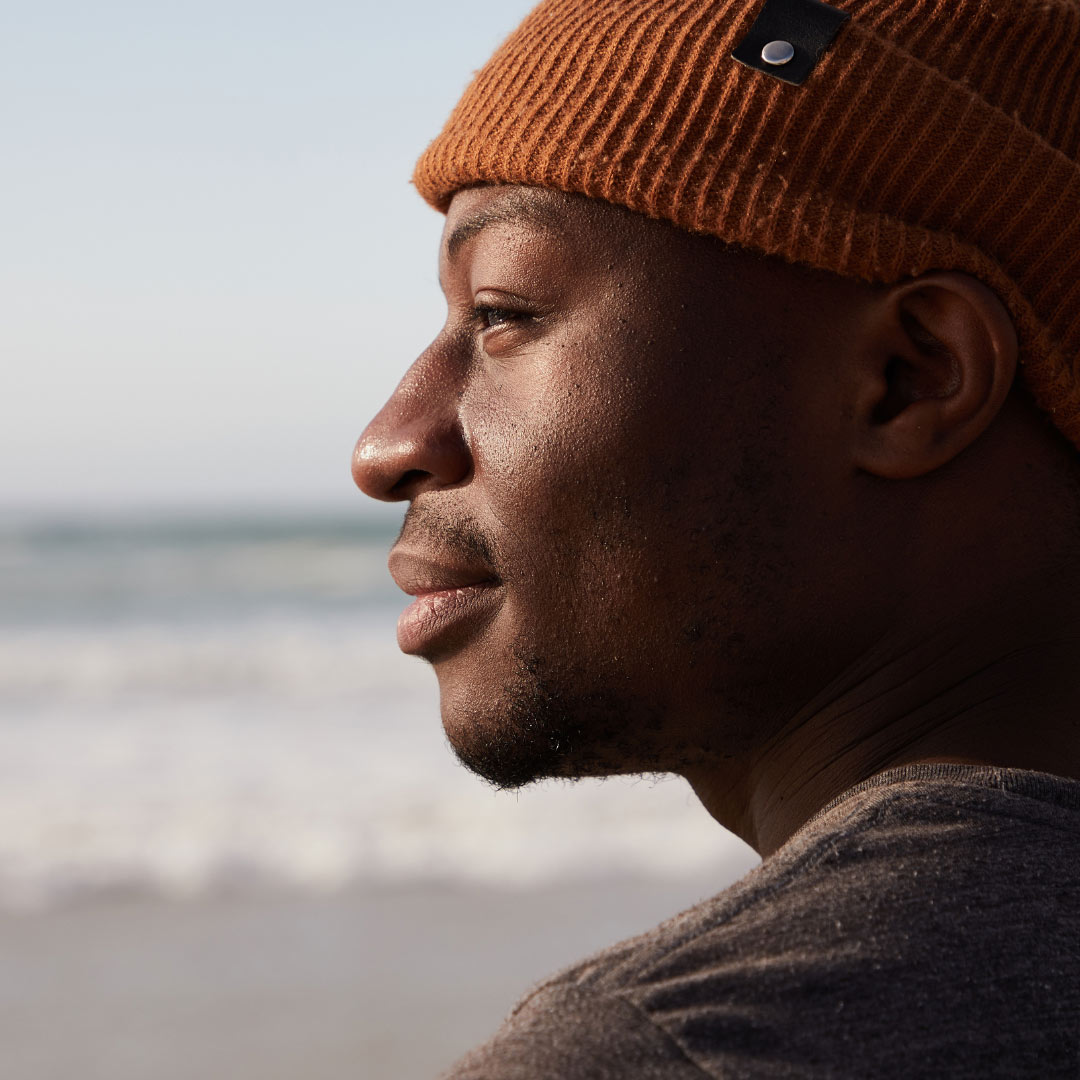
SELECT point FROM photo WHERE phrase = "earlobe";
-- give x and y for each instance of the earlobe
(940, 356)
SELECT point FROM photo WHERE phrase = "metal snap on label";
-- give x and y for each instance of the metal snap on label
(778, 52)
(789, 37)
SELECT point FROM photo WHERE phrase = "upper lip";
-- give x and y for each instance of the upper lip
(417, 574)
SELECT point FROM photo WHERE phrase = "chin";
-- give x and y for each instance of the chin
(541, 723)
(509, 739)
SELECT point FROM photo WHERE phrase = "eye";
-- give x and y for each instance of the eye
(487, 316)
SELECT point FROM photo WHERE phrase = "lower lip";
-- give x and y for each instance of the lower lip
(437, 620)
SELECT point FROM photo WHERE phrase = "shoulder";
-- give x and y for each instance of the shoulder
(918, 927)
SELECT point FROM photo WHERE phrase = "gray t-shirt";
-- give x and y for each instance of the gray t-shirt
(925, 924)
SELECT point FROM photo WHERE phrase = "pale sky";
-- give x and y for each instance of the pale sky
(213, 266)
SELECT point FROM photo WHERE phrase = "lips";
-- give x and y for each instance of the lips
(453, 601)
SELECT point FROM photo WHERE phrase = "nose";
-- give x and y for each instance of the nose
(416, 442)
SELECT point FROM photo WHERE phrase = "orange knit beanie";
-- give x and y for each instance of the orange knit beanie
(929, 134)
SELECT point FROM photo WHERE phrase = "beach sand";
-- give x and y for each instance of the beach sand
(384, 983)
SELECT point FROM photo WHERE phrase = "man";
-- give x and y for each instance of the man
(748, 453)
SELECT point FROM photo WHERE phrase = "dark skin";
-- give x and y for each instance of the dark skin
(677, 507)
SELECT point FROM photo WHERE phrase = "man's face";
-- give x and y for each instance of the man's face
(615, 530)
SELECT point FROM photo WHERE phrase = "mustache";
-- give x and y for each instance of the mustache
(460, 538)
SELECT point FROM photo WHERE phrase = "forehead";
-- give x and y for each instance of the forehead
(500, 208)
(478, 206)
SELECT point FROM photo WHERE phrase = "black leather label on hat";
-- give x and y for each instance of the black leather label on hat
(789, 37)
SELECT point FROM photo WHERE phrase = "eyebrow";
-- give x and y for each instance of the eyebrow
(518, 209)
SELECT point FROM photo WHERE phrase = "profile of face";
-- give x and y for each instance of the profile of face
(618, 456)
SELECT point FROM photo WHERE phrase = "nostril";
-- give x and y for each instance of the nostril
(408, 482)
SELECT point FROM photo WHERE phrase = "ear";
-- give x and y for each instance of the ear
(940, 358)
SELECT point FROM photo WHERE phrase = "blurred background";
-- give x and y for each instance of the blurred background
(232, 839)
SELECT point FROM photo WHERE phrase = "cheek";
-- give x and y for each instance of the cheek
(550, 438)
(558, 464)
(590, 523)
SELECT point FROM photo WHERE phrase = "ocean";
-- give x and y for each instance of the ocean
(203, 705)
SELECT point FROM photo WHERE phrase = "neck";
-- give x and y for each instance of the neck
(999, 685)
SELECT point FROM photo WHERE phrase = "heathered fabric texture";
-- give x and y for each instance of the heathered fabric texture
(933, 134)
(927, 924)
